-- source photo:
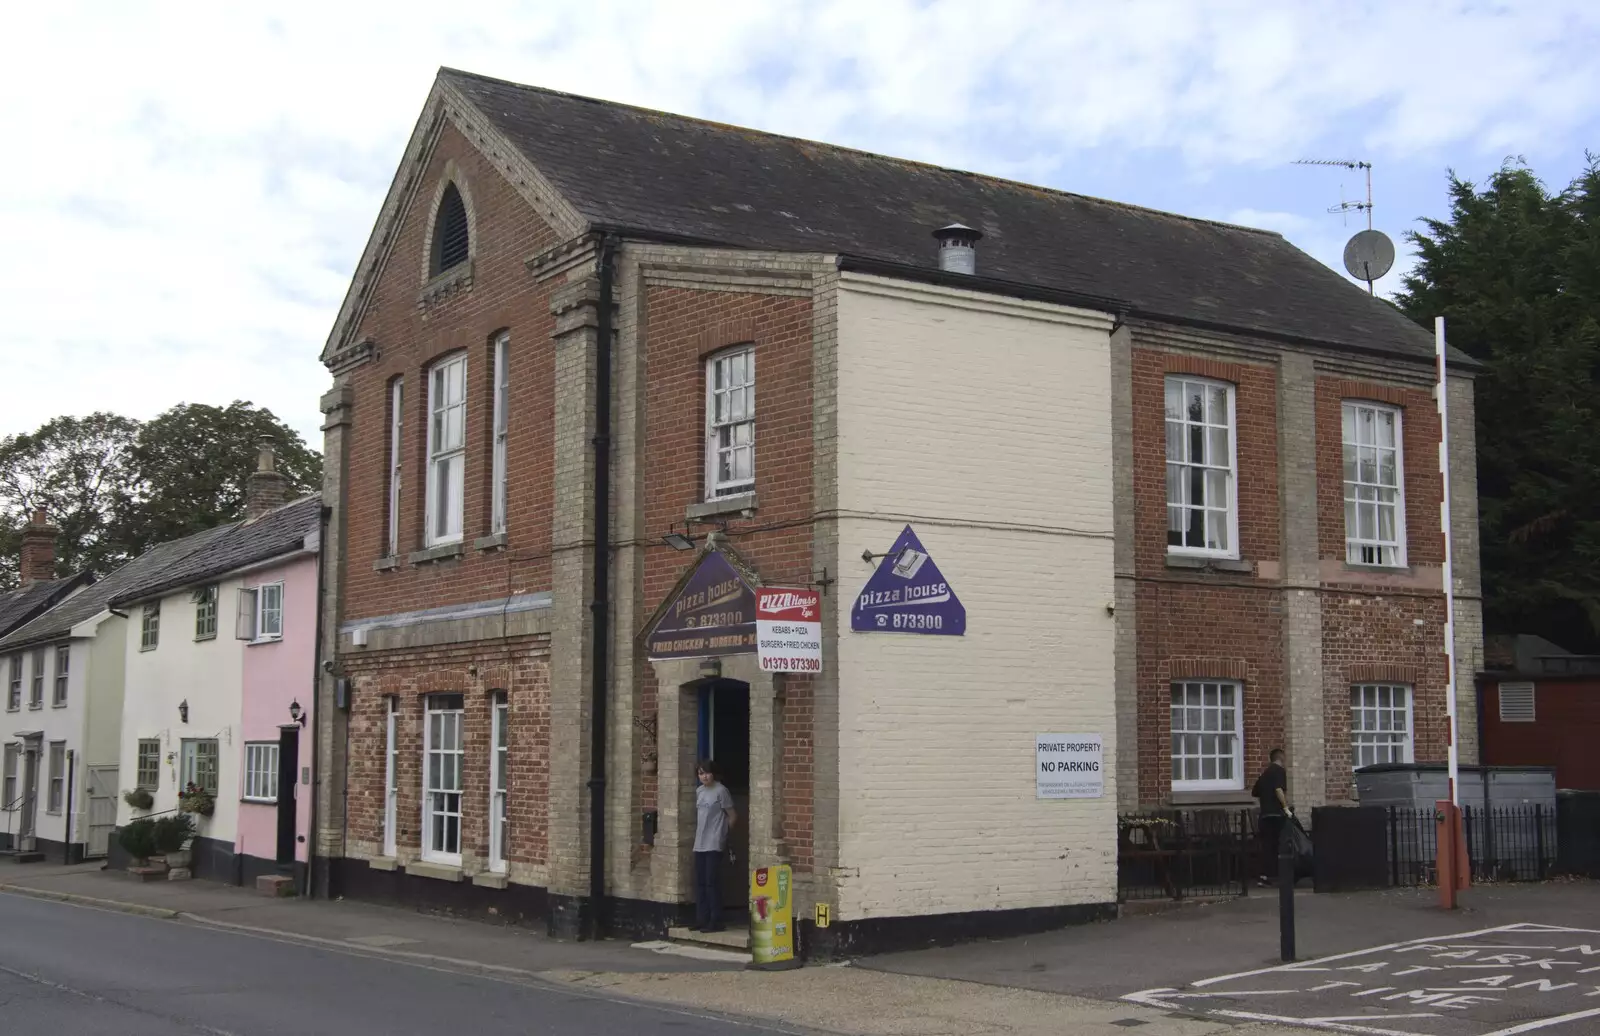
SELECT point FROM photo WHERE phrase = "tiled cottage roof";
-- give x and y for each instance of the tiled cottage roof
(667, 176)
(141, 571)
(278, 532)
(24, 603)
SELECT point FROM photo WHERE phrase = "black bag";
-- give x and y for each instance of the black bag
(1300, 843)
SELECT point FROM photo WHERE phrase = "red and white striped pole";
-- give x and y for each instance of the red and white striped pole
(1454, 861)
(1442, 390)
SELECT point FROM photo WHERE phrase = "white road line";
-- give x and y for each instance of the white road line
(1240, 992)
(1364, 1030)
(1546, 1023)
(1369, 1018)
(1305, 966)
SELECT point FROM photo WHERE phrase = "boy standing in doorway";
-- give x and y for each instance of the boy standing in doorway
(714, 817)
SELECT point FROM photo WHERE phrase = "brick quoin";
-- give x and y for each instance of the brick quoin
(683, 327)
(1188, 618)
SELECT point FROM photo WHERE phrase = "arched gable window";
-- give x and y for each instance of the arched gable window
(450, 234)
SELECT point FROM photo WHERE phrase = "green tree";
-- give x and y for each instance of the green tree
(115, 486)
(77, 469)
(190, 464)
(1515, 271)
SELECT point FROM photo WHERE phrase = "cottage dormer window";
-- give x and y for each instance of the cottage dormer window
(450, 235)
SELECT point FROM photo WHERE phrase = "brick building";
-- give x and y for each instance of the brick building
(798, 375)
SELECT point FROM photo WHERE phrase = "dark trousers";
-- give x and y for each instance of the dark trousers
(1270, 831)
(708, 890)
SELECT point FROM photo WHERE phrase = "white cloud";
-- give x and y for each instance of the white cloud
(191, 183)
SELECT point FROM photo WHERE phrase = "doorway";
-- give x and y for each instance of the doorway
(725, 740)
(102, 810)
(26, 830)
(288, 785)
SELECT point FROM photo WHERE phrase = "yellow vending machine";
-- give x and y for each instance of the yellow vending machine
(772, 917)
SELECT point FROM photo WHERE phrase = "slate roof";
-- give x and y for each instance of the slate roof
(178, 563)
(24, 603)
(142, 570)
(275, 533)
(664, 176)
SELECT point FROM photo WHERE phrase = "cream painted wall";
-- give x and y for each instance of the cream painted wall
(985, 423)
(207, 674)
(58, 723)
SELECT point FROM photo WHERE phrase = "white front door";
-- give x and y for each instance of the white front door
(391, 783)
(30, 796)
(102, 809)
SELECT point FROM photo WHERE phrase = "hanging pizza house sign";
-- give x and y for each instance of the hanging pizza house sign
(712, 613)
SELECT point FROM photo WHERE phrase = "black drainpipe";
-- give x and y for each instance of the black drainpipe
(601, 602)
(308, 888)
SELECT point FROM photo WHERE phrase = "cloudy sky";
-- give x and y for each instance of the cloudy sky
(190, 184)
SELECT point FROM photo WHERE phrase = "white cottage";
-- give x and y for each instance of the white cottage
(63, 673)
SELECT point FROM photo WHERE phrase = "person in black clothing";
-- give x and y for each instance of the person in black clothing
(1271, 790)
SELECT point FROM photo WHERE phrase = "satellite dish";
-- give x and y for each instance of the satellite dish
(1369, 255)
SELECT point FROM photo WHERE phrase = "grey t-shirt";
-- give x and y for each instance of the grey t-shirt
(711, 826)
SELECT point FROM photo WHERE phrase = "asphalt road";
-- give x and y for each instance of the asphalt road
(69, 969)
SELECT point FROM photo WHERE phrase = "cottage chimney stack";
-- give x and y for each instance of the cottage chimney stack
(958, 251)
(266, 488)
(38, 550)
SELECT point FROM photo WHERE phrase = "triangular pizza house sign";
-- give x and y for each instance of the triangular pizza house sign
(713, 613)
(908, 594)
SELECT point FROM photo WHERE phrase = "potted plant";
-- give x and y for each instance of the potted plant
(138, 840)
(172, 834)
(195, 799)
(139, 798)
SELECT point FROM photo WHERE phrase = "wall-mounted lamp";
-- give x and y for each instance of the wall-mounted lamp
(678, 541)
(183, 710)
(296, 714)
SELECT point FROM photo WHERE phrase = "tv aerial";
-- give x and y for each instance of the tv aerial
(1369, 254)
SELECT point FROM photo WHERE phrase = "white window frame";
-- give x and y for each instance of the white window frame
(447, 456)
(1208, 464)
(502, 418)
(150, 626)
(189, 764)
(499, 776)
(147, 749)
(391, 779)
(1372, 709)
(739, 414)
(12, 753)
(1374, 550)
(36, 660)
(260, 772)
(1236, 731)
(56, 789)
(269, 606)
(14, 683)
(397, 419)
(1518, 714)
(206, 606)
(441, 790)
(58, 693)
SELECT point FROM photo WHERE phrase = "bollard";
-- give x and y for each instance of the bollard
(1286, 896)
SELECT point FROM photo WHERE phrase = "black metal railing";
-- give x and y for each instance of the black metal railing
(1185, 854)
(1504, 843)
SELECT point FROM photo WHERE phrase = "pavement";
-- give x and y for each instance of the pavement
(1222, 961)
(87, 972)
(831, 999)
(1194, 971)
